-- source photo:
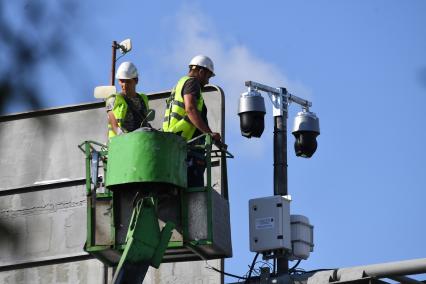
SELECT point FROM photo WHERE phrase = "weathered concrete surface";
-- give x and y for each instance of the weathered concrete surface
(80, 272)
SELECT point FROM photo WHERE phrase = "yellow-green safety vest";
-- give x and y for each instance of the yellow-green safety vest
(120, 110)
(175, 118)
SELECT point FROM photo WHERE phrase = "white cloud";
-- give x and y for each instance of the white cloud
(234, 64)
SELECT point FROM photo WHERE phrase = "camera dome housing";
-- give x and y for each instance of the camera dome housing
(251, 110)
(305, 130)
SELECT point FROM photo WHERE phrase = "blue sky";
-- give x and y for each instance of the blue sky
(361, 63)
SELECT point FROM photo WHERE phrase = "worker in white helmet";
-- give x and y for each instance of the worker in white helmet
(127, 110)
(186, 113)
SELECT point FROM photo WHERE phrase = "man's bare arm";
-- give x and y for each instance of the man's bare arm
(114, 123)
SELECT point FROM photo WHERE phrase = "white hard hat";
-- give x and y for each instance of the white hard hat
(127, 70)
(203, 61)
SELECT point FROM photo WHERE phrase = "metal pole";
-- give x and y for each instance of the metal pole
(280, 166)
(114, 45)
(405, 267)
(280, 155)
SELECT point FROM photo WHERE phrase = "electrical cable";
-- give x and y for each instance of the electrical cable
(302, 271)
(120, 57)
(224, 273)
(295, 266)
(265, 263)
(252, 267)
(318, 270)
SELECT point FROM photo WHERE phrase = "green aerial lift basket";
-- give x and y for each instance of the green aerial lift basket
(152, 164)
(146, 156)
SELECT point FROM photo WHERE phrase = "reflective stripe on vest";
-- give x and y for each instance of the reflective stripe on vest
(120, 110)
(175, 118)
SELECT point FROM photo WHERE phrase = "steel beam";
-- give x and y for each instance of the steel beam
(406, 267)
(405, 280)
